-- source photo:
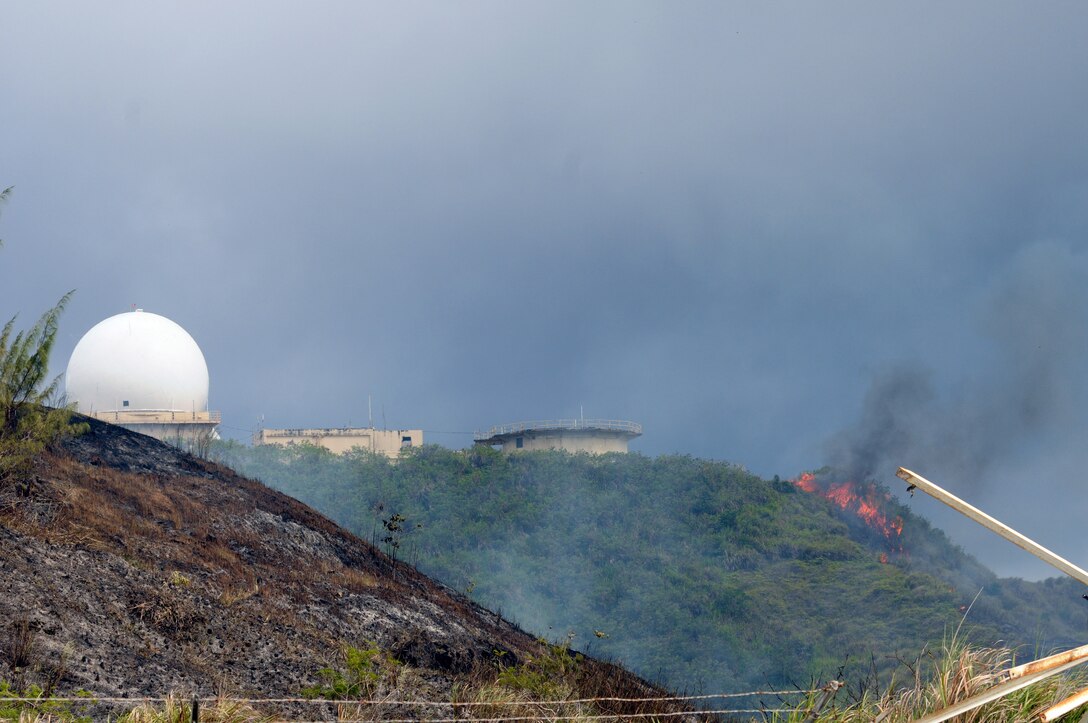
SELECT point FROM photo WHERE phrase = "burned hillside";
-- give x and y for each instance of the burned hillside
(131, 569)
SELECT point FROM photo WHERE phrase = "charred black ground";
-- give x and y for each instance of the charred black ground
(133, 569)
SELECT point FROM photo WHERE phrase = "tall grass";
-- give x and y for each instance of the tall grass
(941, 678)
(179, 710)
(175, 709)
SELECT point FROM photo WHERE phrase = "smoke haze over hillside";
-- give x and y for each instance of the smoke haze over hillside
(1007, 429)
(743, 228)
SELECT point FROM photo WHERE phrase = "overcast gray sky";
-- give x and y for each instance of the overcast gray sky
(776, 234)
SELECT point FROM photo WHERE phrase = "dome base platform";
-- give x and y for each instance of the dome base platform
(167, 426)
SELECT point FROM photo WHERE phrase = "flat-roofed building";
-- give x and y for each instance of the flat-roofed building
(594, 436)
(389, 442)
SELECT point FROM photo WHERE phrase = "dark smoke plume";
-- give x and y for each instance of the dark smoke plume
(1018, 405)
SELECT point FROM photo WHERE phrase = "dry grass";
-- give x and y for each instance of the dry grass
(357, 580)
(546, 683)
(175, 709)
(951, 675)
(179, 710)
(234, 595)
(508, 703)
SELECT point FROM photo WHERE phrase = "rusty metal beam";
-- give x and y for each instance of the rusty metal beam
(1057, 710)
(1045, 663)
(996, 692)
(991, 524)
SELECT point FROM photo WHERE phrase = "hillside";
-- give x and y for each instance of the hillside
(131, 569)
(694, 573)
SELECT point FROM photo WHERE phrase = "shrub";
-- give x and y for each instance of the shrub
(31, 704)
(362, 672)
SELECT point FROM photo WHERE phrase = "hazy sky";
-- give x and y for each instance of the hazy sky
(780, 235)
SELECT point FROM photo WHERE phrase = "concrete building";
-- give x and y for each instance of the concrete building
(145, 373)
(342, 439)
(595, 436)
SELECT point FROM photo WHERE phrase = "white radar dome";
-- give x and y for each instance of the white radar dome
(137, 361)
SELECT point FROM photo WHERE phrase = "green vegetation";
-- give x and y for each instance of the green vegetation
(691, 572)
(362, 671)
(28, 422)
(32, 703)
(544, 676)
(546, 686)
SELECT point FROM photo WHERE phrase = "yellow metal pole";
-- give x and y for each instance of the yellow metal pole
(991, 524)
(1059, 709)
(998, 691)
(1045, 663)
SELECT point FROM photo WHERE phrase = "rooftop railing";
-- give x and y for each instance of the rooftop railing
(606, 425)
(329, 432)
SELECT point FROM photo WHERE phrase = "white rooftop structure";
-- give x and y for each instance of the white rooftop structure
(144, 372)
(137, 361)
(593, 436)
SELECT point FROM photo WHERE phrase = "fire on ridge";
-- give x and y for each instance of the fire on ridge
(867, 501)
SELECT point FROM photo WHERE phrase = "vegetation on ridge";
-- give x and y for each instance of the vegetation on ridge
(692, 572)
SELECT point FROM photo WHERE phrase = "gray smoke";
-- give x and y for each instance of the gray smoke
(1015, 403)
(1007, 431)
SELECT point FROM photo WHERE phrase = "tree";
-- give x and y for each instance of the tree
(30, 417)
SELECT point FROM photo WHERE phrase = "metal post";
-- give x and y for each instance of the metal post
(991, 524)
(196, 710)
(829, 691)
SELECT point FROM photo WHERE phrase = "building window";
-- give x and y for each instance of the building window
(124, 403)
(519, 442)
(405, 441)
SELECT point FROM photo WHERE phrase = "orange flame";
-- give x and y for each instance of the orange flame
(807, 482)
(868, 502)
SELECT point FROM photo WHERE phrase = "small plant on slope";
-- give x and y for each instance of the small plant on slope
(32, 704)
(364, 669)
